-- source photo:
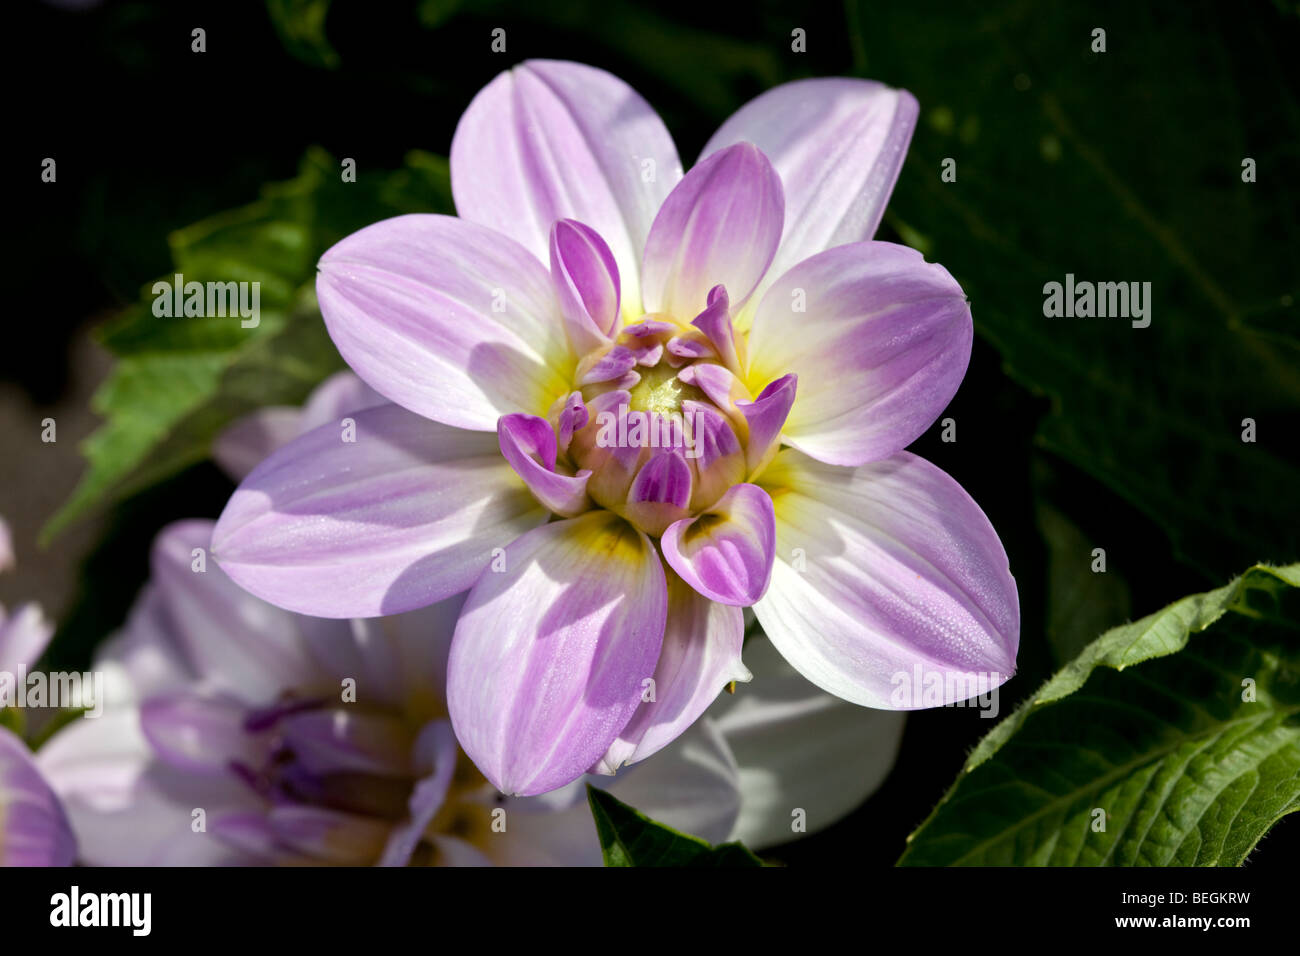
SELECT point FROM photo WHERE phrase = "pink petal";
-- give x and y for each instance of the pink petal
(528, 444)
(6, 546)
(838, 146)
(550, 654)
(573, 418)
(24, 635)
(226, 636)
(127, 807)
(661, 491)
(434, 755)
(34, 830)
(449, 319)
(720, 226)
(715, 323)
(241, 446)
(885, 570)
(726, 553)
(768, 725)
(766, 416)
(586, 280)
(404, 516)
(336, 397)
(145, 657)
(553, 140)
(880, 348)
(201, 733)
(700, 656)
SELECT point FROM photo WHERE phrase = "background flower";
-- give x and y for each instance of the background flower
(34, 830)
(221, 703)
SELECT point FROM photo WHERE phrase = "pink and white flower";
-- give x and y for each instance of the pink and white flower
(586, 283)
(34, 830)
(240, 733)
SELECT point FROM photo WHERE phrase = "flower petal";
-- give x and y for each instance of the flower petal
(398, 661)
(766, 416)
(253, 835)
(768, 725)
(235, 642)
(661, 491)
(691, 786)
(145, 657)
(128, 808)
(34, 830)
(446, 318)
(838, 146)
(434, 756)
(404, 516)
(24, 635)
(329, 836)
(344, 739)
(880, 348)
(7, 561)
(528, 444)
(450, 851)
(549, 656)
(573, 418)
(200, 733)
(586, 280)
(241, 446)
(720, 226)
(726, 553)
(553, 140)
(884, 568)
(715, 322)
(700, 656)
(339, 395)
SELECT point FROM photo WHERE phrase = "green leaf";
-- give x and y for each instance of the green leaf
(180, 380)
(629, 838)
(58, 720)
(301, 26)
(1070, 161)
(1188, 759)
(13, 719)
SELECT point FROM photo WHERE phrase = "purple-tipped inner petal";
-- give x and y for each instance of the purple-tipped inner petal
(529, 445)
(726, 553)
(586, 281)
(715, 323)
(765, 416)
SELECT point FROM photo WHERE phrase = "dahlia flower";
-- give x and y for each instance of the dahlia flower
(626, 403)
(239, 733)
(34, 830)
